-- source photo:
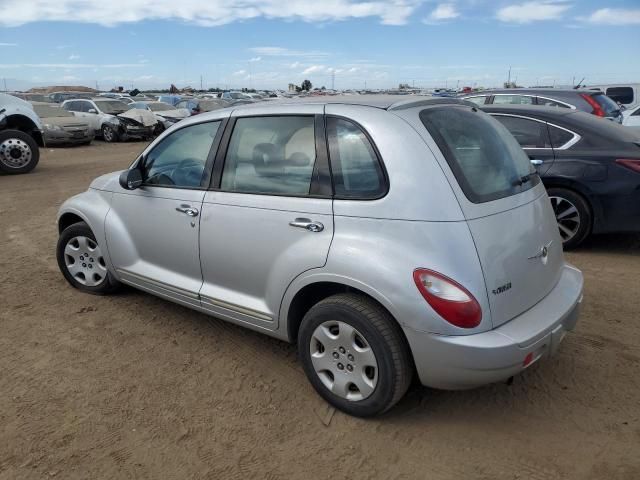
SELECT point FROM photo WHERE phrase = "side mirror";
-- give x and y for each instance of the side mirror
(131, 179)
(92, 110)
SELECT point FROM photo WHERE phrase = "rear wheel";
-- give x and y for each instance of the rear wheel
(354, 354)
(81, 261)
(19, 152)
(572, 214)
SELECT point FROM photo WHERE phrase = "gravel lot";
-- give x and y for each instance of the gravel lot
(132, 386)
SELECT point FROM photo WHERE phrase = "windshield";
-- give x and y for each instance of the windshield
(112, 106)
(160, 107)
(485, 158)
(238, 96)
(45, 111)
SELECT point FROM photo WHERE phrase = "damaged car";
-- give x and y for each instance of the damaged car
(112, 119)
(166, 115)
(62, 127)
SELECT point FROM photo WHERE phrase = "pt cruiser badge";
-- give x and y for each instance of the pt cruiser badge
(543, 253)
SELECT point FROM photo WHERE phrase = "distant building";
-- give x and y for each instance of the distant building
(293, 88)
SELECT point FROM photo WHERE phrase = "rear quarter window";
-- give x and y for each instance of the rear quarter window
(485, 158)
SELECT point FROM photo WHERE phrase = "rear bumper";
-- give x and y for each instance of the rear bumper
(468, 361)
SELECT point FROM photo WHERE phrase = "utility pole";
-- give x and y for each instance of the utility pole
(5, 84)
(333, 79)
(200, 82)
(509, 76)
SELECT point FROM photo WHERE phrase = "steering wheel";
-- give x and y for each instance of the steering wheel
(188, 173)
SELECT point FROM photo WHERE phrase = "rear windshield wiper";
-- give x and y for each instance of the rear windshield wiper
(524, 179)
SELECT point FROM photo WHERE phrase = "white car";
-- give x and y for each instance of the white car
(632, 118)
(112, 119)
(165, 114)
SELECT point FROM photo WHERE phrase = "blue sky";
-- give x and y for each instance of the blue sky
(268, 44)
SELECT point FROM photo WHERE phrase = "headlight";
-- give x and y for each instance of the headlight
(48, 126)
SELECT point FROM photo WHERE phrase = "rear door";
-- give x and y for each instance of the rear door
(269, 216)
(533, 136)
(507, 208)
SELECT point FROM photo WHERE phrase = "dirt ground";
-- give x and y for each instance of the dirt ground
(131, 386)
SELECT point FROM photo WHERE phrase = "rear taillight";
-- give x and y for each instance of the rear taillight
(451, 300)
(630, 164)
(597, 109)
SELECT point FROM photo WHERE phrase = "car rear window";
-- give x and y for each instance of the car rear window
(609, 106)
(485, 158)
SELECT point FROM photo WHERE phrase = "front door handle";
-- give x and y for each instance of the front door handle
(536, 163)
(187, 210)
(307, 224)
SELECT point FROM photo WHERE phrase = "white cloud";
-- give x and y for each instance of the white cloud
(239, 73)
(68, 65)
(211, 13)
(444, 11)
(314, 69)
(8, 44)
(533, 11)
(286, 52)
(255, 59)
(614, 16)
(74, 57)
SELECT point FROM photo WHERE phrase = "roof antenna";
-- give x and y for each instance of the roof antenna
(576, 87)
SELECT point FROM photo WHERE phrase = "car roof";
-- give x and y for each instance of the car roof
(384, 102)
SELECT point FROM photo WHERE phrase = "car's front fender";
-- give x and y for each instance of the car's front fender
(91, 207)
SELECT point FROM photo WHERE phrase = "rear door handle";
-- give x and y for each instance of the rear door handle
(187, 210)
(307, 224)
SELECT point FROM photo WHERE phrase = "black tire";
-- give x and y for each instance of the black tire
(384, 336)
(584, 215)
(27, 146)
(109, 133)
(158, 129)
(81, 229)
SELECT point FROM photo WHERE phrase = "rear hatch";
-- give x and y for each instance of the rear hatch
(505, 204)
(606, 107)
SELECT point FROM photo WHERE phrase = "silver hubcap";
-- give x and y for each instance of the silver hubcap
(107, 133)
(343, 360)
(14, 153)
(84, 261)
(567, 216)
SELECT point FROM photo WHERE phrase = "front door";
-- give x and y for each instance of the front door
(267, 220)
(153, 231)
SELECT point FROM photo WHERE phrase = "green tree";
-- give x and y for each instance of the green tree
(306, 85)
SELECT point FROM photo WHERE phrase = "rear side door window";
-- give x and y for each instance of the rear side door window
(547, 102)
(477, 100)
(356, 169)
(529, 133)
(512, 100)
(271, 155)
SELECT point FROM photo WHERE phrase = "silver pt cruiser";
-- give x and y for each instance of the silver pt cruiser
(387, 238)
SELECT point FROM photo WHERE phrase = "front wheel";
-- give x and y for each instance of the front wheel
(355, 355)
(572, 214)
(19, 152)
(109, 133)
(81, 261)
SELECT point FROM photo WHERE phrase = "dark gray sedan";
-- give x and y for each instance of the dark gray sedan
(61, 126)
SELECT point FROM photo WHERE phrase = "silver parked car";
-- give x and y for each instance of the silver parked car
(385, 237)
